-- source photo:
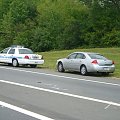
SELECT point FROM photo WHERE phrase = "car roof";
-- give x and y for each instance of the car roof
(87, 52)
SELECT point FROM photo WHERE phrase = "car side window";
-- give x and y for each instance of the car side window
(12, 51)
(5, 51)
(72, 56)
(80, 56)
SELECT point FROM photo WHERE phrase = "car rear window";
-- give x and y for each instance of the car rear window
(25, 51)
(97, 56)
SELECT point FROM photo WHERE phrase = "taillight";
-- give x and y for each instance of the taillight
(42, 57)
(26, 57)
(94, 62)
(113, 62)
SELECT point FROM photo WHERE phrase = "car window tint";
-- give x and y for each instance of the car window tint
(12, 51)
(25, 51)
(5, 50)
(80, 56)
(72, 56)
(97, 56)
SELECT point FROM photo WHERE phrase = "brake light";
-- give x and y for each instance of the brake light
(113, 62)
(42, 57)
(94, 62)
(26, 57)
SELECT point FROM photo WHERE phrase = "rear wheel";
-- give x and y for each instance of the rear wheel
(15, 63)
(83, 70)
(60, 67)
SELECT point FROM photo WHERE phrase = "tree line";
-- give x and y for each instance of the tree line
(44, 25)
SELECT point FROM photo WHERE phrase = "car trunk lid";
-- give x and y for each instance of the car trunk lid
(33, 56)
(104, 62)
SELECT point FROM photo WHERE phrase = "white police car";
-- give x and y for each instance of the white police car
(18, 55)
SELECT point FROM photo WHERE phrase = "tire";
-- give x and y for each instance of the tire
(15, 63)
(60, 67)
(83, 70)
(33, 66)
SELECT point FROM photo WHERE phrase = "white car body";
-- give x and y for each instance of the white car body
(20, 56)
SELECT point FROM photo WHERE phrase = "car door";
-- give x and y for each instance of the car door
(78, 61)
(10, 55)
(3, 55)
(70, 61)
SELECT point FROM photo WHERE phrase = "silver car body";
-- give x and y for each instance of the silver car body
(94, 62)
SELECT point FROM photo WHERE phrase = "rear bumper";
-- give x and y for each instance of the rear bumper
(30, 62)
(107, 69)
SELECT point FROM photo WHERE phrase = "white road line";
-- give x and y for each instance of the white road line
(107, 107)
(85, 80)
(62, 93)
(26, 112)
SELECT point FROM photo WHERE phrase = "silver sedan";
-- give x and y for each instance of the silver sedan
(85, 62)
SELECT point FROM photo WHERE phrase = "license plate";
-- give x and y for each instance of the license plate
(106, 69)
(35, 57)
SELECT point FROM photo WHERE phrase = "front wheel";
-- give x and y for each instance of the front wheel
(60, 67)
(15, 63)
(83, 70)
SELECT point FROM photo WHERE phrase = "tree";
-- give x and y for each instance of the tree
(45, 25)
(17, 21)
(105, 18)
(63, 22)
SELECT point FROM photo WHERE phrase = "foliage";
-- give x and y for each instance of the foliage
(104, 22)
(44, 25)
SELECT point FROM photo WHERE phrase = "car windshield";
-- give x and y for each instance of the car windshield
(5, 51)
(97, 56)
(25, 51)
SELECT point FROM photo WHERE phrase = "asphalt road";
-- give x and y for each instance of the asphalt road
(32, 94)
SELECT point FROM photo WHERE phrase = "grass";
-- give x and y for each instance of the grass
(111, 53)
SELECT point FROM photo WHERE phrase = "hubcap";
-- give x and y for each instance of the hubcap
(60, 67)
(14, 62)
(83, 70)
